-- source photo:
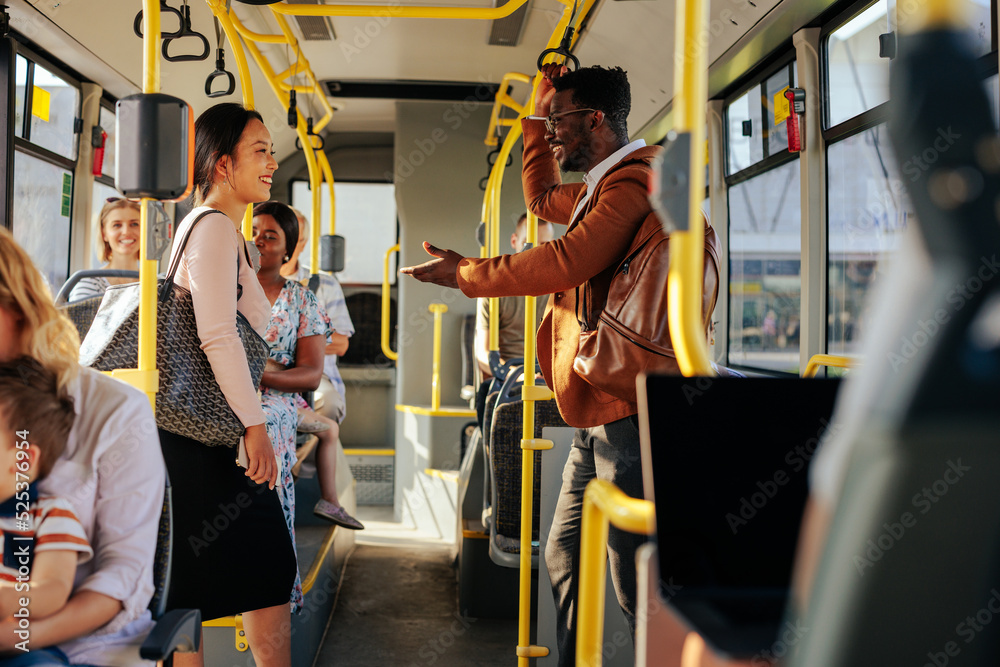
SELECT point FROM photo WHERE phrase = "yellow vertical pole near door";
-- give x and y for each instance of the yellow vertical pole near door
(684, 284)
(439, 309)
(147, 267)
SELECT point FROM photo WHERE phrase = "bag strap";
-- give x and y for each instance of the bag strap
(175, 263)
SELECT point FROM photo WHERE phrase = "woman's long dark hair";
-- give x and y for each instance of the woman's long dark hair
(285, 218)
(217, 132)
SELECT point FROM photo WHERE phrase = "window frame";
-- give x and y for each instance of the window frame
(785, 58)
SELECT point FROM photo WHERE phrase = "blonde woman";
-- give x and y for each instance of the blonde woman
(118, 246)
(111, 472)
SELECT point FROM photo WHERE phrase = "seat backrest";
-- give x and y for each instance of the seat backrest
(162, 559)
(505, 462)
(81, 313)
(729, 486)
(470, 367)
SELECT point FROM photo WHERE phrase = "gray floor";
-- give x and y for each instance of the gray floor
(398, 606)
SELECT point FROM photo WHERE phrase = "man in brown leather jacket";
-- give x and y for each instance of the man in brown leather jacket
(580, 126)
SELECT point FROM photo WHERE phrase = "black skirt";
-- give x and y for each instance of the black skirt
(231, 549)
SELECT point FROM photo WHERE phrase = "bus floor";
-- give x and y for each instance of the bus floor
(398, 605)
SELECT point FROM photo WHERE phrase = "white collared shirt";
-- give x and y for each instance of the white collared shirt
(594, 176)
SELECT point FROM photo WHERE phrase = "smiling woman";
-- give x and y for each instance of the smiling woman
(117, 246)
(233, 167)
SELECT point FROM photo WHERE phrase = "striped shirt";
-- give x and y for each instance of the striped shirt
(52, 526)
(87, 288)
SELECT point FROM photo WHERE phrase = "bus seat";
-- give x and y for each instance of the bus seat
(470, 367)
(505, 456)
(491, 403)
(729, 491)
(178, 630)
(81, 313)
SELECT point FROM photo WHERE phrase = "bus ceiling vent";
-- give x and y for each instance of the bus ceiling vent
(796, 109)
(314, 28)
(508, 30)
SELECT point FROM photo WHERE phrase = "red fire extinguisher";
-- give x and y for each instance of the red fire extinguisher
(98, 138)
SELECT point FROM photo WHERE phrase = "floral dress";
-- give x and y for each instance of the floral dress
(295, 314)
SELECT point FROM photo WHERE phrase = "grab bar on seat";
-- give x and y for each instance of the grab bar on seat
(603, 502)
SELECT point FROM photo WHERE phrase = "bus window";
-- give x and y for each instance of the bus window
(857, 78)
(42, 208)
(366, 218)
(765, 243)
(745, 138)
(868, 212)
(54, 107)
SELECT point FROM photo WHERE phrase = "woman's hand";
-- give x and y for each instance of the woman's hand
(545, 91)
(261, 466)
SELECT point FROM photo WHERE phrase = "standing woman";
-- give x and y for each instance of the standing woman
(297, 337)
(118, 229)
(244, 560)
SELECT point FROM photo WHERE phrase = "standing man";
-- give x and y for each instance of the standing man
(581, 126)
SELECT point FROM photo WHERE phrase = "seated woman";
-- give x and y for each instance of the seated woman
(111, 472)
(297, 336)
(118, 246)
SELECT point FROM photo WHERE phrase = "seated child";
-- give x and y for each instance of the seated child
(42, 539)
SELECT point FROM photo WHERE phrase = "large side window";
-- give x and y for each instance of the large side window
(366, 218)
(867, 207)
(47, 106)
(765, 235)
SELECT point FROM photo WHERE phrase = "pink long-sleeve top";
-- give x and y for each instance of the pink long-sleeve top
(214, 255)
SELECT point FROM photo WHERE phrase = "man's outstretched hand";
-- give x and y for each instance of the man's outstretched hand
(441, 271)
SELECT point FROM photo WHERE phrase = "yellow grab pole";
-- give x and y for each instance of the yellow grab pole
(146, 362)
(504, 100)
(386, 302)
(315, 178)
(399, 11)
(602, 502)
(439, 309)
(684, 284)
(324, 164)
(246, 83)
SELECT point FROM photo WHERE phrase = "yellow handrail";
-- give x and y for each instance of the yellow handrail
(386, 303)
(602, 502)
(439, 309)
(833, 360)
(324, 163)
(685, 278)
(146, 377)
(504, 100)
(398, 11)
(301, 65)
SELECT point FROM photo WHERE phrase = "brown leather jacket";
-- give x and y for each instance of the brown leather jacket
(589, 252)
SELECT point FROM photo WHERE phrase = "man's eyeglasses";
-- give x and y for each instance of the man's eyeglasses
(553, 119)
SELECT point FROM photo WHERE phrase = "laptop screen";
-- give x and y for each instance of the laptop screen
(726, 461)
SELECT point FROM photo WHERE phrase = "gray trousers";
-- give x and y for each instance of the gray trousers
(609, 452)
